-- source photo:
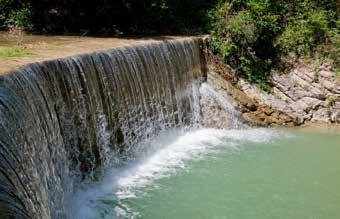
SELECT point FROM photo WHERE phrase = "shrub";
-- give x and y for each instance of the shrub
(304, 32)
(241, 34)
(14, 13)
(20, 18)
(128, 16)
(253, 35)
(330, 101)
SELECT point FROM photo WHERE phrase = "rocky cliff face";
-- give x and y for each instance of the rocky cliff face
(305, 94)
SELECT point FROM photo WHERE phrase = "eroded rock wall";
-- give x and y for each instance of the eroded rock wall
(306, 94)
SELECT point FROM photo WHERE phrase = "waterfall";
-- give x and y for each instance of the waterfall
(60, 120)
(217, 109)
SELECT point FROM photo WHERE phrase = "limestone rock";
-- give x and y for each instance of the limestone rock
(322, 115)
(335, 117)
(306, 104)
(326, 74)
(297, 97)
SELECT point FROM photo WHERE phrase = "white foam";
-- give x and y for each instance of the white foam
(173, 156)
(169, 157)
(213, 99)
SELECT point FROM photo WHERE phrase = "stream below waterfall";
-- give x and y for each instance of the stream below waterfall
(211, 173)
(135, 132)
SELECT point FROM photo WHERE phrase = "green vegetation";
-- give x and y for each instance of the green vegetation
(330, 101)
(15, 13)
(14, 52)
(20, 18)
(316, 68)
(99, 17)
(253, 36)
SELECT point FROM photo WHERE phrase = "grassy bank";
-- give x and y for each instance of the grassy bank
(14, 52)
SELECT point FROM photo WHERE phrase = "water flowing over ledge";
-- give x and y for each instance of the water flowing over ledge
(66, 117)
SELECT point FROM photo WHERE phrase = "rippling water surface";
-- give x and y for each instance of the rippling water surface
(209, 173)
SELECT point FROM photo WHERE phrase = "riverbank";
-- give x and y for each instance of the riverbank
(307, 93)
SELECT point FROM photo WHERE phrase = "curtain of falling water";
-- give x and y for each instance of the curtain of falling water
(66, 117)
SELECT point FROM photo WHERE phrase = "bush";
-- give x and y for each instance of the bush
(20, 18)
(241, 34)
(14, 13)
(102, 16)
(128, 16)
(253, 35)
(307, 29)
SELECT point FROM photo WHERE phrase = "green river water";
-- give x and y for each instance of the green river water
(235, 174)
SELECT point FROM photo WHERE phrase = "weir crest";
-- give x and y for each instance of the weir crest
(61, 120)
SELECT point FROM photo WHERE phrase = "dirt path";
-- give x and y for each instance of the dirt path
(53, 47)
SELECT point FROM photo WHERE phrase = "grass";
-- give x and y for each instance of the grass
(14, 52)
